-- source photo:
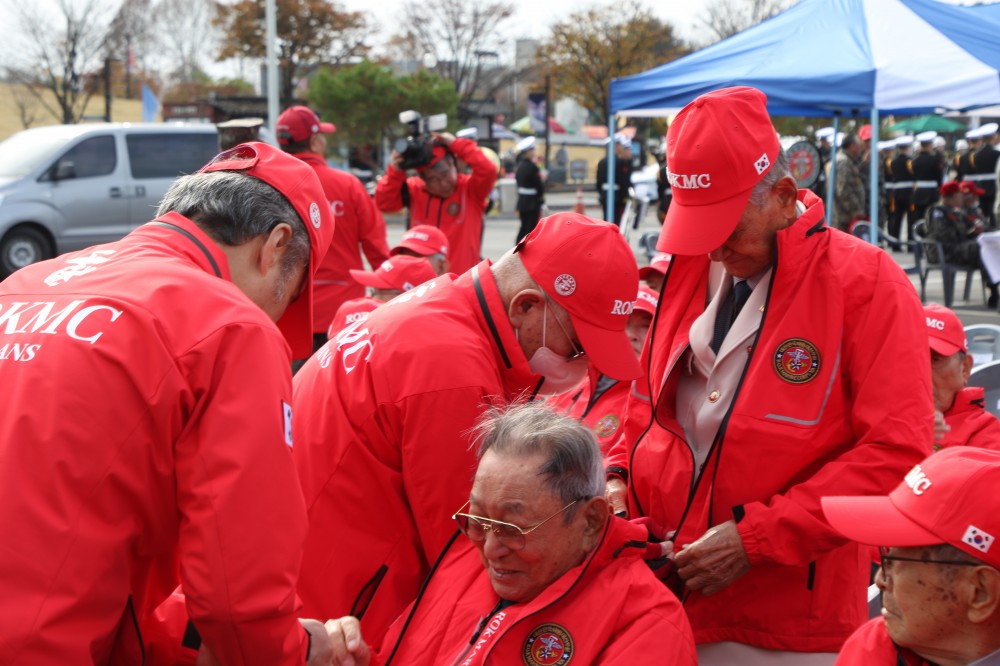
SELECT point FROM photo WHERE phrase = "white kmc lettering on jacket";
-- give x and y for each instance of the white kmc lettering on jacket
(622, 307)
(352, 341)
(47, 316)
(485, 637)
(690, 181)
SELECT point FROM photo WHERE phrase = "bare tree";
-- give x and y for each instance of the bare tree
(463, 39)
(57, 51)
(186, 34)
(725, 18)
(26, 104)
(130, 36)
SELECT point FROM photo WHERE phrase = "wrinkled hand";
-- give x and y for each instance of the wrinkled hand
(714, 561)
(617, 498)
(940, 427)
(348, 647)
(320, 648)
(396, 160)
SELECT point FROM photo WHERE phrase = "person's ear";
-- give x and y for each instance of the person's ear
(594, 514)
(967, 367)
(522, 303)
(273, 248)
(788, 194)
(984, 595)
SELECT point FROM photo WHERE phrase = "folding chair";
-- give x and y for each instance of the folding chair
(647, 243)
(932, 259)
(984, 343)
(988, 377)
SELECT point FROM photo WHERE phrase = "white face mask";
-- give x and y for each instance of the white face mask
(561, 374)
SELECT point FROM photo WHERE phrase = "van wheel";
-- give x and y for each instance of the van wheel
(22, 246)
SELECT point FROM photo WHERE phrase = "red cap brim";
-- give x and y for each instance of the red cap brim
(646, 271)
(327, 128)
(944, 347)
(610, 351)
(296, 322)
(875, 521)
(701, 229)
(371, 279)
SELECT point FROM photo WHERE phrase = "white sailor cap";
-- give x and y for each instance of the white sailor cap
(524, 144)
(989, 129)
(939, 142)
(961, 144)
(926, 137)
(886, 145)
(839, 139)
(623, 140)
(824, 133)
(904, 141)
(468, 133)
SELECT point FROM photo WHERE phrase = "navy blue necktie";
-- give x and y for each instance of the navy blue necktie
(728, 311)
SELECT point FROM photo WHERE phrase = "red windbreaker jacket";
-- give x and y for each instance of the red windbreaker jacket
(856, 416)
(971, 425)
(870, 645)
(359, 228)
(611, 609)
(603, 414)
(145, 441)
(460, 216)
(383, 413)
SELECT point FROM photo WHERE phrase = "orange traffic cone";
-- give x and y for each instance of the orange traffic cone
(579, 207)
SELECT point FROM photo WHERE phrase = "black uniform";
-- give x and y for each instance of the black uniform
(983, 173)
(664, 193)
(902, 189)
(623, 181)
(530, 196)
(928, 173)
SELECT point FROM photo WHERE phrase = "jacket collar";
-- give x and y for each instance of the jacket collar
(189, 241)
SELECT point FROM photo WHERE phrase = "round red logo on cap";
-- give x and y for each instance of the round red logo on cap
(796, 360)
(565, 284)
(314, 215)
(547, 644)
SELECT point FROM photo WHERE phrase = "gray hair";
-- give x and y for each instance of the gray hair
(573, 467)
(234, 208)
(780, 169)
(947, 553)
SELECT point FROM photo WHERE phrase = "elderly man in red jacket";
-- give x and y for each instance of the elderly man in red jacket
(146, 438)
(540, 573)
(442, 197)
(384, 410)
(787, 361)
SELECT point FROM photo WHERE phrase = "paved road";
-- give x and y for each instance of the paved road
(502, 227)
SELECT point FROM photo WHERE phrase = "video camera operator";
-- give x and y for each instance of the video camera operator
(439, 195)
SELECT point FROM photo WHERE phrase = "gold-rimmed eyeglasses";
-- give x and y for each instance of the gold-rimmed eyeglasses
(508, 534)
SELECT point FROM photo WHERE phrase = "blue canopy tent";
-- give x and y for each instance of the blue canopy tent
(837, 58)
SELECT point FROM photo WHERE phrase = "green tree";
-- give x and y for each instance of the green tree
(310, 33)
(592, 47)
(364, 100)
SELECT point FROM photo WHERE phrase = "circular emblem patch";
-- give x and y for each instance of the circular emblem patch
(314, 215)
(606, 426)
(548, 644)
(796, 360)
(453, 208)
(565, 284)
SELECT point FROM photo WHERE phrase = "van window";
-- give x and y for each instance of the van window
(24, 152)
(92, 157)
(169, 155)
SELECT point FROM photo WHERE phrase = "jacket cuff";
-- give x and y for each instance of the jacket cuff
(615, 472)
(744, 527)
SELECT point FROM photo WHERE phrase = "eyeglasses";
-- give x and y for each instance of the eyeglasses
(508, 534)
(887, 560)
(577, 352)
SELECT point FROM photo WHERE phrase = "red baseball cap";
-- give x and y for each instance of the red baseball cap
(969, 187)
(298, 123)
(588, 269)
(401, 272)
(865, 133)
(298, 183)
(719, 147)
(423, 239)
(950, 188)
(356, 309)
(437, 154)
(647, 300)
(948, 498)
(658, 265)
(944, 330)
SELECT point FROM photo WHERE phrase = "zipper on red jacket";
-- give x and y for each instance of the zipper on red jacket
(594, 397)
(503, 603)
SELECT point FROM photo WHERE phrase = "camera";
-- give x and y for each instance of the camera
(418, 146)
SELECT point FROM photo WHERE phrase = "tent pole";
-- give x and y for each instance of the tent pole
(832, 174)
(609, 210)
(874, 164)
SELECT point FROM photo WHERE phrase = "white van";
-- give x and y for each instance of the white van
(67, 187)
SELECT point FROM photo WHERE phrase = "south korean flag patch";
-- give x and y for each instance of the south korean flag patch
(287, 410)
(978, 539)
